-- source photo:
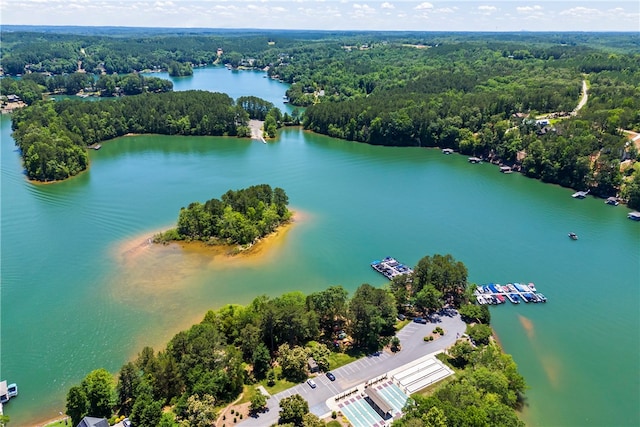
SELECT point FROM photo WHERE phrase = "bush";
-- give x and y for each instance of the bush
(235, 420)
(428, 338)
(334, 415)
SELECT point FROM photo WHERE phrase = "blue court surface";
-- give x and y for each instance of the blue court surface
(360, 413)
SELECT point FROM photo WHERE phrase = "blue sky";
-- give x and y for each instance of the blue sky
(452, 15)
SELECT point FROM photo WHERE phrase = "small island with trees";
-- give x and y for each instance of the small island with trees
(240, 217)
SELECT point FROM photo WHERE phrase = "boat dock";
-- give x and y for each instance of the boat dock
(390, 267)
(515, 293)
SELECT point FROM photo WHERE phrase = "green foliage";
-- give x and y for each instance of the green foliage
(52, 136)
(293, 409)
(293, 362)
(177, 69)
(241, 217)
(201, 412)
(258, 401)
(261, 361)
(98, 387)
(479, 333)
(475, 313)
(77, 404)
(372, 315)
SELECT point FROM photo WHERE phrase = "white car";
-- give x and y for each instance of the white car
(311, 383)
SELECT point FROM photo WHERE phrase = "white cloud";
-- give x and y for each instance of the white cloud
(582, 12)
(529, 9)
(423, 6)
(387, 5)
(486, 8)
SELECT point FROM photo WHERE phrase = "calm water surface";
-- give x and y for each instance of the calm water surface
(79, 292)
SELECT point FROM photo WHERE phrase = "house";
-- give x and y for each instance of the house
(93, 422)
(13, 98)
(313, 366)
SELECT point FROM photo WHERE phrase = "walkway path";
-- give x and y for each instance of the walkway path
(256, 130)
(372, 366)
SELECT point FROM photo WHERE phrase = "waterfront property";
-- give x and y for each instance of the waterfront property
(390, 268)
(580, 194)
(513, 292)
(635, 216)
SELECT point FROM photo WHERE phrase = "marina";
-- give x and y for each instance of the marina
(390, 267)
(513, 292)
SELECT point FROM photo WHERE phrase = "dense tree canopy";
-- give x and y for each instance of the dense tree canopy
(52, 136)
(241, 217)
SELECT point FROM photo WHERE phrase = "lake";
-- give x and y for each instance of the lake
(81, 290)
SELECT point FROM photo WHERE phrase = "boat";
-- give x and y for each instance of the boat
(532, 286)
(580, 194)
(613, 201)
(447, 151)
(474, 160)
(505, 169)
(634, 216)
(389, 267)
(7, 392)
(573, 236)
(514, 298)
(541, 297)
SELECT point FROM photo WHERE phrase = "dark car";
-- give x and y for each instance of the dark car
(420, 320)
(331, 376)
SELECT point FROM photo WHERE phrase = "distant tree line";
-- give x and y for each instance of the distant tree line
(239, 217)
(31, 87)
(52, 136)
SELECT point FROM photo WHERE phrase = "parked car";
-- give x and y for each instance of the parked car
(126, 422)
(331, 376)
(420, 320)
(311, 383)
(401, 316)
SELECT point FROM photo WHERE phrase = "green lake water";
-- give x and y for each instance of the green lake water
(80, 290)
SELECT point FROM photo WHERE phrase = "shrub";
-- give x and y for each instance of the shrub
(334, 415)
(233, 411)
(235, 420)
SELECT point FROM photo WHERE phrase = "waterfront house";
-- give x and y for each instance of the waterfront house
(93, 422)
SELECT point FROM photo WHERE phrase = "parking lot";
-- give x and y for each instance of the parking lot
(355, 374)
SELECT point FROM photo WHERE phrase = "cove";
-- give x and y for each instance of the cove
(80, 292)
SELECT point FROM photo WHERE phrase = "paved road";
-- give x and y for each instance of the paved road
(356, 373)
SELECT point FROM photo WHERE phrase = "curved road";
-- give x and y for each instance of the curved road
(362, 370)
(583, 100)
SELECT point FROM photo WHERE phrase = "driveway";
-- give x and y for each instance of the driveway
(356, 373)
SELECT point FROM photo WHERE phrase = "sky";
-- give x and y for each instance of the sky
(452, 15)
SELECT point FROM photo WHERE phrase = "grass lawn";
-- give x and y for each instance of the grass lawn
(337, 360)
(280, 385)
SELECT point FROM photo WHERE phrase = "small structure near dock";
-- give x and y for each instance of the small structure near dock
(613, 201)
(634, 216)
(390, 268)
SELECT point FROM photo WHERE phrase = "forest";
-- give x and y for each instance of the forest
(507, 98)
(235, 348)
(238, 217)
(53, 136)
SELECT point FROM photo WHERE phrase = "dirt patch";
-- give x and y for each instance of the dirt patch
(233, 414)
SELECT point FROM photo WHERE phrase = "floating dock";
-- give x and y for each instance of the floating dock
(390, 268)
(515, 293)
